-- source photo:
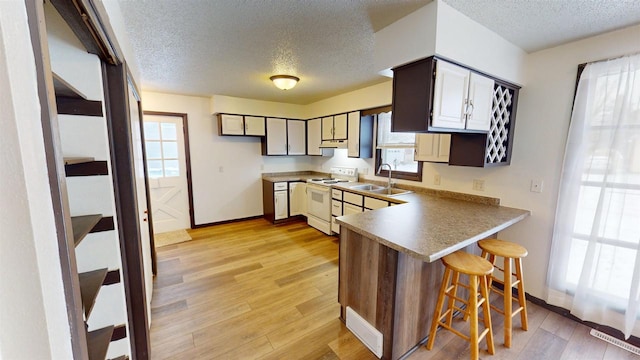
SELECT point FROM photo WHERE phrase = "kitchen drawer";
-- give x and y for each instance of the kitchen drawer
(335, 227)
(373, 203)
(336, 208)
(352, 198)
(352, 209)
(279, 186)
(336, 194)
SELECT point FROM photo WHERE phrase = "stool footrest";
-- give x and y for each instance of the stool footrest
(466, 337)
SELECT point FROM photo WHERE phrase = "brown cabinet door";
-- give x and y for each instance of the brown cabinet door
(412, 96)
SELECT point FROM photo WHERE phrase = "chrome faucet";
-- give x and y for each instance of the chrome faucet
(389, 184)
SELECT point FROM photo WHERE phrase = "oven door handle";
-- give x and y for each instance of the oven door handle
(318, 188)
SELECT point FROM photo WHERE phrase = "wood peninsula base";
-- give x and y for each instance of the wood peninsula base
(393, 291)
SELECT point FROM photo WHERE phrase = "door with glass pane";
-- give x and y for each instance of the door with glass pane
(164, 141)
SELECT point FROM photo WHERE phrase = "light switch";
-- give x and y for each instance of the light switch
(536, 185)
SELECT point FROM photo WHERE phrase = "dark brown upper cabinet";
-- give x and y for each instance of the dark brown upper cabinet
(415, 86)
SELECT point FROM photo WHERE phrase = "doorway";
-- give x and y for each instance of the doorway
(166, 140)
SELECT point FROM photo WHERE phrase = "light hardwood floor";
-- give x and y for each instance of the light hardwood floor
(254, 290)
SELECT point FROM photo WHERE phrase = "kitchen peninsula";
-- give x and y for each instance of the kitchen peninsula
(388, 272)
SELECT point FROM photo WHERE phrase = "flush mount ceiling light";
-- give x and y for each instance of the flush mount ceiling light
(284, 82)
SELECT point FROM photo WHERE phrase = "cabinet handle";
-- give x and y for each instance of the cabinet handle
(471, 105)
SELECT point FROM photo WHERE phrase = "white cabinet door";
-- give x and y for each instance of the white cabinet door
(340, 127)
(280, 204)
(351, 209)
(297, 198)
(373, 203)
(276, 136)
(444, 147)
(480, 102)
(427, 147)
(353, 144)
(450, 96)
(327, 128)
(254, 125)
(232, 124)
(432, 147)
(314, 137)
(296, 137)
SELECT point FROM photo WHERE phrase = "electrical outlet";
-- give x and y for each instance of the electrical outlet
(536, 185)
(478, 184)
(436, 179)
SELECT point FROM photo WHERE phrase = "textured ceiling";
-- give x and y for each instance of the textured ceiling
(538, 24)
(231, 47)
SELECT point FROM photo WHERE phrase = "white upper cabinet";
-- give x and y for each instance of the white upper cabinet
(480, 102)
(449, 101)
(296, 137)
(254, 126)
(353, 145)
(314, 137)
(340, 127)
(232, 124)
(276, 142)
(334, 127)
(462, 99)
(242, 125)
(327, 128)
(433, 147)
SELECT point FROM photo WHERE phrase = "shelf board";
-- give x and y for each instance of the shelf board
(76, 106)
(82, 225)
(63, 88)
(77, 160)
(98, 343)
(90, 284)
(89, 168)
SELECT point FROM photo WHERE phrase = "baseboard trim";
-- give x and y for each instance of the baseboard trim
(198, 226)
(567, 314)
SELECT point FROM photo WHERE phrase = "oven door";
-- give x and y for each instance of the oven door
(319, 201)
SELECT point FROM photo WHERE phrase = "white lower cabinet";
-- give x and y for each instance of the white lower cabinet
(348, 209)
(297, 198)
(373, 203)
(281, 203)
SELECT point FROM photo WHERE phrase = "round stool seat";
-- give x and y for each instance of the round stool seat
(469, 264)
(503, 248)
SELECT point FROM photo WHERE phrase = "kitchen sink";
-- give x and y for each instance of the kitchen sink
(390, 192)
(380, 190)
(367, 187)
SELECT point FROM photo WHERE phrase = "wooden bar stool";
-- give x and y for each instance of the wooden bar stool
(478, 270)
(508, 251)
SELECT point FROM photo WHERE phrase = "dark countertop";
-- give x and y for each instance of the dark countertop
(433, 224)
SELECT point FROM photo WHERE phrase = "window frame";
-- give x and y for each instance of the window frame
(403, 175)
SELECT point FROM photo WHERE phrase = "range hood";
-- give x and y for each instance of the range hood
(333, 144)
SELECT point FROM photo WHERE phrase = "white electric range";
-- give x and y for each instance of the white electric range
(319, 196)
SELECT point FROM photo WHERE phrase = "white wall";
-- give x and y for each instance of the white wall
(226, 170)
(408, 39)
(33, 314)
(467, 42)
(439, 29)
